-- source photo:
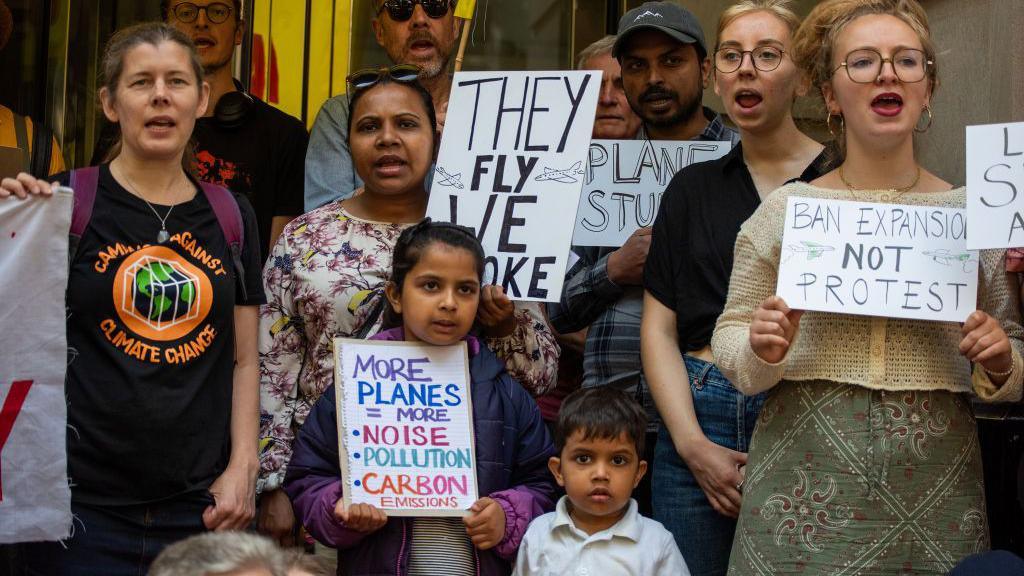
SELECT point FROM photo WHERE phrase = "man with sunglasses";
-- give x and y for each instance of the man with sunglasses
(242, 143)
(418, 32)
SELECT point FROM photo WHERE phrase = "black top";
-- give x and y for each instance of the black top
(151, 334)
(262, 159)
(690, 259)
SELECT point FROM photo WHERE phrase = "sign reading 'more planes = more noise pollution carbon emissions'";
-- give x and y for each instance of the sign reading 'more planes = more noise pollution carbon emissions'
(405, 427)
(624, 183)
(995, 185)
(874, 259)
(511, 168)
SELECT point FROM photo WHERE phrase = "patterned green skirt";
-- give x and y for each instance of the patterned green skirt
(843, 480)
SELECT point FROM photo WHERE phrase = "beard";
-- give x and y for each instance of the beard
(688, 107)
(432, 66)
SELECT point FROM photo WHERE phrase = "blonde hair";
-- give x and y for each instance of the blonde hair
(815, 40)
(778, 8)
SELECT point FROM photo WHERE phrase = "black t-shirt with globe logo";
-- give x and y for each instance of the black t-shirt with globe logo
(151, 338)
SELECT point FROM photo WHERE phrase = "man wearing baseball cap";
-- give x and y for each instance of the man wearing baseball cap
(665, 68)
(663, 55)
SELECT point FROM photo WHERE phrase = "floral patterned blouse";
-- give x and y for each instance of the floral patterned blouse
(325, 277)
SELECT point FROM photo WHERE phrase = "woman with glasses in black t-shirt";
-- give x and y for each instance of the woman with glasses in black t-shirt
(163, 400)
(697, 483)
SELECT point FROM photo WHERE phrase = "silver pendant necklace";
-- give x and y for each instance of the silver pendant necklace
(163, 235)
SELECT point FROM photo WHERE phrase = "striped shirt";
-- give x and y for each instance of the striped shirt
(441, 545)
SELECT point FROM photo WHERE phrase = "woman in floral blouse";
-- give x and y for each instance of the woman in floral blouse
(326, 276)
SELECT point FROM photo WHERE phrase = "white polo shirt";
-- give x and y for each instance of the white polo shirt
(633, 546)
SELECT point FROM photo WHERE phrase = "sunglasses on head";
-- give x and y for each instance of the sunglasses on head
(401, 10)
(362, 79)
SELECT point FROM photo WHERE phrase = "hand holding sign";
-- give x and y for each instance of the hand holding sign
(986, 343)
(363, 518)
(626, 265)
(496, 312)
(485, 523)
(24, 185)
(773, 329)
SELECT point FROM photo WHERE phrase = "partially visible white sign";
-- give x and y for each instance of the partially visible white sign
(625, 182)
(995, 185)
(35, 501)
(877, 260)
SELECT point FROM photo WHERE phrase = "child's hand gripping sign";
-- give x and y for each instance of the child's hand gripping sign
(405, 424)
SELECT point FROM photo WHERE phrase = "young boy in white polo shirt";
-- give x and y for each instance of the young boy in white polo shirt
(596, 530)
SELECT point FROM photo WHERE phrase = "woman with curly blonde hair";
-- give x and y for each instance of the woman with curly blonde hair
(865, 459)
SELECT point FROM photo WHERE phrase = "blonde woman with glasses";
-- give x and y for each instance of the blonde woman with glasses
(865, 459)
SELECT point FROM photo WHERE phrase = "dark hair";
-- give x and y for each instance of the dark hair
(428, 100)
(165, 9)
(415, 240)
(112, 66)
(601, 412)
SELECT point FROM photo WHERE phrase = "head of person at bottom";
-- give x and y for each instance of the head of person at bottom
(599, 439)
(222, 554)
(614, 120)
(434, 291)
(874, 62)
(665, 68)
(392, 133)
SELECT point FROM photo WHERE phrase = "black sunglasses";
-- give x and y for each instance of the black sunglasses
(362, 79)
(401, 10)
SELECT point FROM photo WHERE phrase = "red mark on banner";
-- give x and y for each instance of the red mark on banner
(9, 412)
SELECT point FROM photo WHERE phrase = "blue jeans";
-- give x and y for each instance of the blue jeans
(727, 419)
(117, 540)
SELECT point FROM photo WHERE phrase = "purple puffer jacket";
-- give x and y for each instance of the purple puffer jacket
(512, 451)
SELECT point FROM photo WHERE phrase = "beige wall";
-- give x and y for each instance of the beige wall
(981, 74)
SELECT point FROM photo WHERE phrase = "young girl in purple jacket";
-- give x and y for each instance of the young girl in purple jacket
(434, 293)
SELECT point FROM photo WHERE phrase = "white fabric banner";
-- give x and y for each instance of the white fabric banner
(35, 501)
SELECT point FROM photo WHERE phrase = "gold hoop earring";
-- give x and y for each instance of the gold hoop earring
(831, 129)
(919, 130)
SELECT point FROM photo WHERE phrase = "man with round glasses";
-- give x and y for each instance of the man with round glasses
(419, 32)
(242, 143)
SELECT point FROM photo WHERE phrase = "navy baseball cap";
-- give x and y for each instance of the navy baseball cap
(666, 17)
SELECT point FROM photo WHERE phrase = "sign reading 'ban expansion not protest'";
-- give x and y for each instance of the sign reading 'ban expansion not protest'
(405, 427)
(511, 167)
(877, 260)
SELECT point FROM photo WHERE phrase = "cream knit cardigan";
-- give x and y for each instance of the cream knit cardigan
(877, 353)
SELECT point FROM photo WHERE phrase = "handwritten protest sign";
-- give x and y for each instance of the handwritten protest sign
(624, 183)
(995, 185)
(405, 425)
(511, 167)
(877, 260)
(35, 501)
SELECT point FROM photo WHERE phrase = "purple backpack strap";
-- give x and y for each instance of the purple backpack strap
(229, 216)
(84, 182)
